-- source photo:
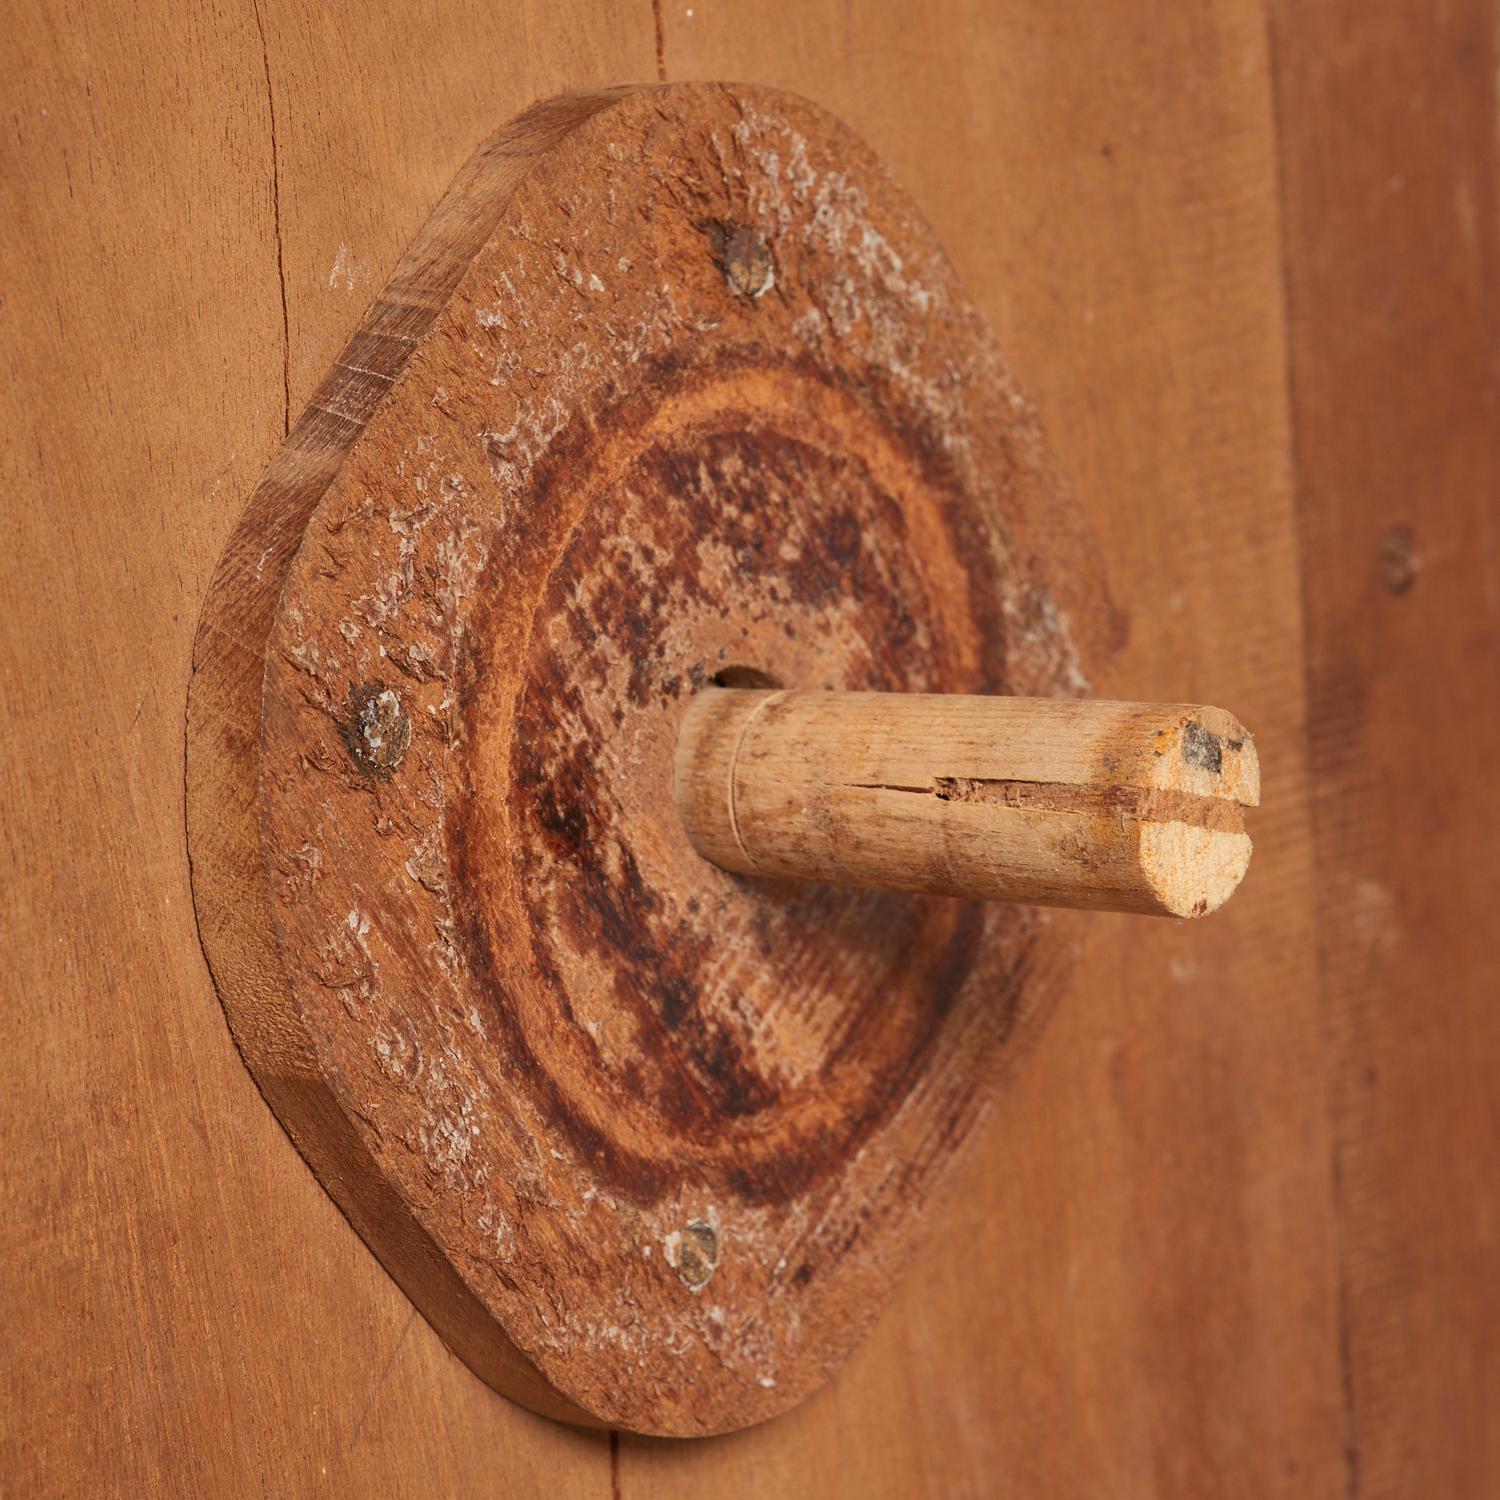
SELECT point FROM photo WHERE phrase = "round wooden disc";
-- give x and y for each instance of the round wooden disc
(675, 383)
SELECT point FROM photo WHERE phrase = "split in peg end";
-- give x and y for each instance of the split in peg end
(1133, 807)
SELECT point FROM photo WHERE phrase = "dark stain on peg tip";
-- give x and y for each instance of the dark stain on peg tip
(745, 259)
(1202, 748)
(697, 1253)
(378, 731)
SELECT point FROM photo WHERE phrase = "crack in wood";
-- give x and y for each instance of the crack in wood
(1143, 804)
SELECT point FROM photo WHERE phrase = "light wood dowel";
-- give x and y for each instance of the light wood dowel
(1132, 807)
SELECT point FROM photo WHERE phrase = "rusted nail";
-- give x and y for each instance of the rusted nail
(745, 259)
(378, 733)
(694, 1253)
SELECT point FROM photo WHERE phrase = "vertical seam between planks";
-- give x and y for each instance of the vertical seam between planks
(1344, 1353)
(659, 27)
(286, 336)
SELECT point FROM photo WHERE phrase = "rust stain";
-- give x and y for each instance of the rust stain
(749, 536)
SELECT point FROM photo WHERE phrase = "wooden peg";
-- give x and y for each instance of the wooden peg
(1133, 807)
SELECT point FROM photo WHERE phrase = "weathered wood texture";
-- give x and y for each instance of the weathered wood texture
(1222, 1237)
(674, 378)
(1133, 807)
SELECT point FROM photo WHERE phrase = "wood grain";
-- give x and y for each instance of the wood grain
(1145, 1282)
(189, 1314)
(1392, 179)
(1131, 807)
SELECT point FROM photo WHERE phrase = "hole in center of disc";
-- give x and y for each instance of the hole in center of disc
(745, 677)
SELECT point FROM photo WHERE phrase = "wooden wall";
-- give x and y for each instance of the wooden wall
(1235, 1228)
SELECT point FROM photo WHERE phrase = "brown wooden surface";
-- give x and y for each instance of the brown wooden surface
(568, 470)
(1233, 1229)
(1393, 297)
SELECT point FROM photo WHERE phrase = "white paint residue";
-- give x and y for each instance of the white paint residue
(1374, 919)
(347, 270)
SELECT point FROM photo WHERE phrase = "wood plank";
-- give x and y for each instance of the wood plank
(1132, 1291)
(1136, 1286)
(1387, 119)
(191, 1314)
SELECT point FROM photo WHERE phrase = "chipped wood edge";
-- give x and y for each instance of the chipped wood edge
(224, 743)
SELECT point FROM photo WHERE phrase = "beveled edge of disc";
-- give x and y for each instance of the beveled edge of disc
(223, 743)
